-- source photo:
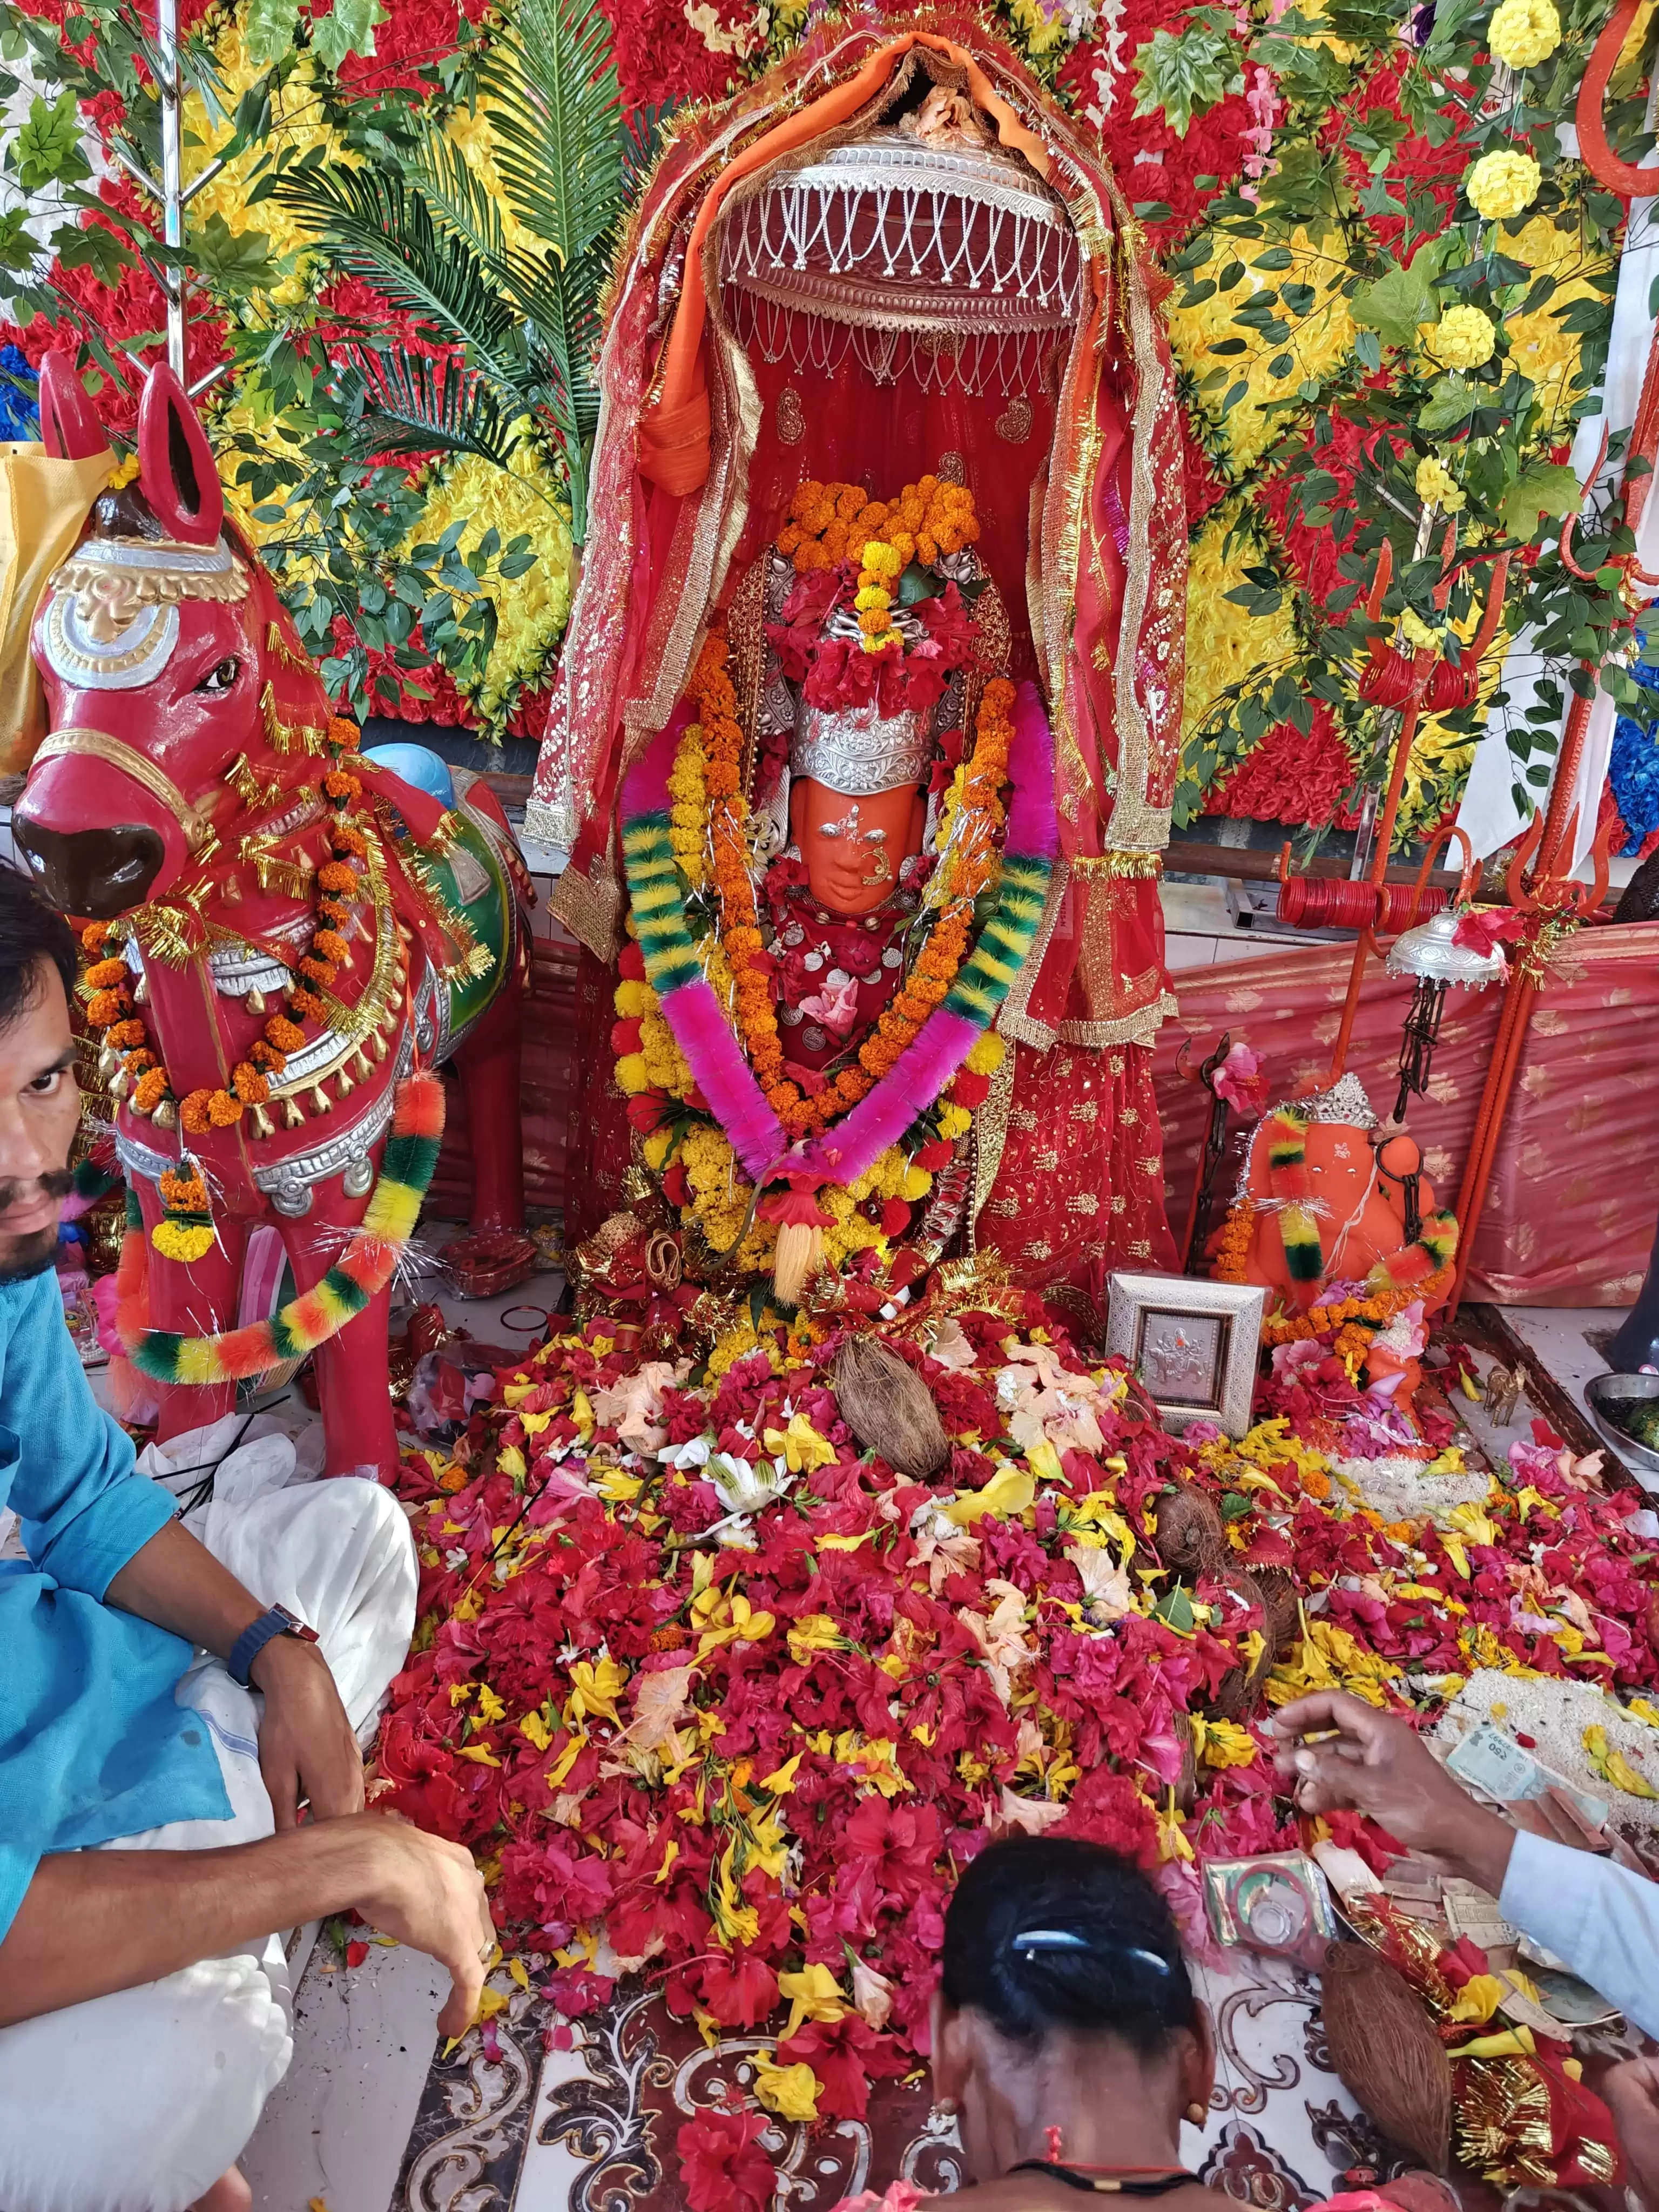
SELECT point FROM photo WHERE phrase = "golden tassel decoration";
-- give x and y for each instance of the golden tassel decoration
(289, 737)
(281, 652)
(796, 1259)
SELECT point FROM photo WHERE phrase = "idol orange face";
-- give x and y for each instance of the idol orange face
(853, 848)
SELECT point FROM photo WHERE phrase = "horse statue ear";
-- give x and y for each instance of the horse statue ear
(176, 471)
(69, 427)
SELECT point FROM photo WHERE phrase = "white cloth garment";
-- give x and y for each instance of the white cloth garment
(1598, 1917)
(137, 2102)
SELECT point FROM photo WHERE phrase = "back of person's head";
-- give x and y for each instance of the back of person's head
(31, 931)
(1049, 1935)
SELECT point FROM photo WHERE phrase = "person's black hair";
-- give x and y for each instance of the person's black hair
(1047, 1934)
(30, 930)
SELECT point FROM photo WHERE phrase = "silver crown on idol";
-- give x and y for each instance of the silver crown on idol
(859, 751)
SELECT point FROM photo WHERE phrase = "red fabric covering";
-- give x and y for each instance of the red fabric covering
(549, 1023)
(1570, 1212)
(1078, 1191)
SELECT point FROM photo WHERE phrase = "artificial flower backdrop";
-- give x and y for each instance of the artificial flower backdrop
(1379, 258)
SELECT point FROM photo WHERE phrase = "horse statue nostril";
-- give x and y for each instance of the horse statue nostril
(94, 874)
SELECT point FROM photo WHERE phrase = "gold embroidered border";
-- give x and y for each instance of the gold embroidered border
(1134, 821)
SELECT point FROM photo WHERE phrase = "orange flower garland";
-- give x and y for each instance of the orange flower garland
(1233, 1245)
(715, 704)
(834, 522)
(107, 983)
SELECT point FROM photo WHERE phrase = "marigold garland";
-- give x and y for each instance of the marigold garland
(833, 522)
(107, 981)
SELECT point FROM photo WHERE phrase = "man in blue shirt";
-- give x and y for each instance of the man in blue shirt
(168, 1708)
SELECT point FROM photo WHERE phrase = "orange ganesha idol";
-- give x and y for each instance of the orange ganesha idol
(1335, 1217)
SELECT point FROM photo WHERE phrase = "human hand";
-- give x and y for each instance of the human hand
(1375, 1764)
(306, 1747)
(1632, 2093)
(427, 1893)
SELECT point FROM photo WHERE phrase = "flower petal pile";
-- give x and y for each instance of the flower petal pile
(718, 1697)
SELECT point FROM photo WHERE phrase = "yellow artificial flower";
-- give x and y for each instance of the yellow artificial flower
(791, 2092)
(526, 499)
(1421, 636)
(1502, 183)
(812, 1994)
(1437, 486)
(1319, 342)
(1464, 337)
(1225, 644)
(987, 1055)
(1523, 32)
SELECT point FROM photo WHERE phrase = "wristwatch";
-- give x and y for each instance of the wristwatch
(279, 1621)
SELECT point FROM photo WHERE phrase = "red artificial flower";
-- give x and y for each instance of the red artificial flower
(847, 2055)
(722, 2168)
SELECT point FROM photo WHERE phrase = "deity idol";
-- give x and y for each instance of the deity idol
(281, 936)
(866, 739)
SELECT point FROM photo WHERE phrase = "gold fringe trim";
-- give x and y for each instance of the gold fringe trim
(471, 959)
(289, 737)
(1115, 865)
(277, 647)
(272, 873)
(256, 797)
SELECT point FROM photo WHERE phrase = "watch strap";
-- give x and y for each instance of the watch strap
(278, 1621)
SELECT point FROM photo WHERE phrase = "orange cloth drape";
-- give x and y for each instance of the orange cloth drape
(673, 449)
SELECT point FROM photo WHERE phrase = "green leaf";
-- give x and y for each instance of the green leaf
(240, 260)
(1449, 404)
(1181, 74)
(1175, 1610)
(1395, 303)
(348, 28)
(48, 150)
(1542, 488)
(268, 30)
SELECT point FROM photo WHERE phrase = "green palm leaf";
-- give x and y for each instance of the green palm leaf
(403, 403)
(557, 122)
(381, 229)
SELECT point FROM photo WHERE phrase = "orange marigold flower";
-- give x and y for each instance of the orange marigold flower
(223, 1110)
(317, 971)
(152, 1089)
(106, 975)
(136, 1063)
(249, 1084)
(266, 1056)
(336, 876)
(124, 1036)
(342, 839)
(193, 1113)
(333, 910)
(340, 787)
(106, 1006)
(93, 938)
(286, 1036)
(329, 945)
(307, 1005)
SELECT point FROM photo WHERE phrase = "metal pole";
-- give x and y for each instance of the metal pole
(172, 204)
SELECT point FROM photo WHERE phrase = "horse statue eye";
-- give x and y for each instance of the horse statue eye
(221, 678)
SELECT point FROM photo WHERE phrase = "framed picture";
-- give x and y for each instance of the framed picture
(1192, 1344)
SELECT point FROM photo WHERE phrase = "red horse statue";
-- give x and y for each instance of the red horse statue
(283, 933)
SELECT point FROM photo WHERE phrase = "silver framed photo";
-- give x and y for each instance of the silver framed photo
(1192, 1344)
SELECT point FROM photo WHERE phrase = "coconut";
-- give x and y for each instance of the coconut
(1191, 1536)
(888, 1408)
(1386, 2052)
